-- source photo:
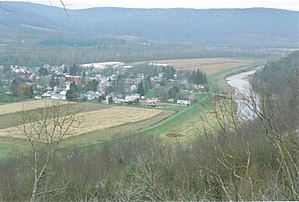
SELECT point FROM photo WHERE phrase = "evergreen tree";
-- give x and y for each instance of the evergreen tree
(30, 92)
(173, 91)
(73, 93)
(198, 77)
(169, 72)
(74, 70)
(92, 85)
(65, 70)
(147, 83)
(53, 82)
(83, 77)
(43, 71)
(140, 89)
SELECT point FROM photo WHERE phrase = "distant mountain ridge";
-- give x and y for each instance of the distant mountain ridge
(255, 27)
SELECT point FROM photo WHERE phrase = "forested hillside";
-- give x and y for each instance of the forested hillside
(280, 80)
(257, 27)
(278, 75)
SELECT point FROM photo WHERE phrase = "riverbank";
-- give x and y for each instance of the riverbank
(243, 93)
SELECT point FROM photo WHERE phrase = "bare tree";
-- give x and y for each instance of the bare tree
(61, 2)
(44, 130)
(233, 162)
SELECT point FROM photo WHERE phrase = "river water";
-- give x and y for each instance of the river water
(243, 89)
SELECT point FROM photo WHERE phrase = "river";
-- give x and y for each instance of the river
(243, 89)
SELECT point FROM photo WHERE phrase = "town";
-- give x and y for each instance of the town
(146, 84)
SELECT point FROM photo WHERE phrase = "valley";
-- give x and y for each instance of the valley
(182, 120)
(142, 103)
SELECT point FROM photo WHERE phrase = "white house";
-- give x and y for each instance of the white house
(90, 95)
(132, 98)
(119, 101)
(183, 102)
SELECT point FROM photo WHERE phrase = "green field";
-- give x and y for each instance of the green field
(5, 150)
(180, 123)
(216, 81)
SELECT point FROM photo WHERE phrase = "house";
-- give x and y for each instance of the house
(183, 102)
(148, 103)
(116, 95)
(90, 95)
(119, 101)
(136, 96)
(47, 94)
(155, 99)
(129, 99)
(132, 98)
(58, 96)
(113, 77)
(170, 100)
(75, 79)
(133, 88)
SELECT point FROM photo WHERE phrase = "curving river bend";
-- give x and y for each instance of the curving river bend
(242, 89)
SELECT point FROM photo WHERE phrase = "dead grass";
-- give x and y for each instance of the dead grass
(107, 118)
(174, 135)
(94, 121)
(29, 105)
(208, 65)
(192, 129)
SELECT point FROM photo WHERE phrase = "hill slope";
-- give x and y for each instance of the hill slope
(256, 27)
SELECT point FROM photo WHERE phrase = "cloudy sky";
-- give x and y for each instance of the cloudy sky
(75, 4)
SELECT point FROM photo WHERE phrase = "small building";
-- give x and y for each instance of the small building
(129, 99)
(47, 94)
(184, 102)
(118, 101)
(155, 99)
(148, 103)
(171, 100)
(90, 95)
(75, 79)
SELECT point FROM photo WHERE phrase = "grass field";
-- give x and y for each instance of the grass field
(207, 65)
(183, 125)
(217, 81)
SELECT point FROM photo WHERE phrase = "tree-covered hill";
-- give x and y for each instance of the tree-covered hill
(278, 75)
(280, 81)
(256, 27)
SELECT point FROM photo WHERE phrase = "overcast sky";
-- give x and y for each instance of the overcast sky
(75, 4)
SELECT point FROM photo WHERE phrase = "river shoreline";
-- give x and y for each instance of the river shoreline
(239, 81)
(240, 71)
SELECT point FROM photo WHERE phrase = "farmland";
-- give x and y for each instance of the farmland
(29, 105)
(99, 123)
(95, 121)
(207, 65)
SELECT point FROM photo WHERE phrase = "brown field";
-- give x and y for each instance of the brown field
(28, 105)
(208, 65)
(96, 120)
(13, 119)
(116, 132)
